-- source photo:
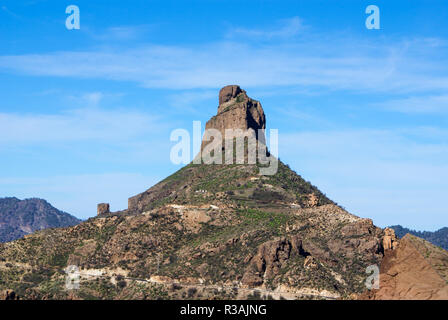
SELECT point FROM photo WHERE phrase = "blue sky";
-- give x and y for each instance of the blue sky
(86, 115)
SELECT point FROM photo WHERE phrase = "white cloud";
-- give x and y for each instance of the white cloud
(365, 143)
(432, 104)
(12, 14)
(287, 29)
(338, 64)
(93, 98)
(189, 100)
(118, 33)
(76, 125)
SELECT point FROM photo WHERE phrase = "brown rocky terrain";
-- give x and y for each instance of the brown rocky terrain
(413, 270)
(206, 232)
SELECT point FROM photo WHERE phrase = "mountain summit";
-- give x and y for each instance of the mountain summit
(237, 111)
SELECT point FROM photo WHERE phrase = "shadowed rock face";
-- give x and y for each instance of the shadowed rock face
(269, 259)
(8, 295)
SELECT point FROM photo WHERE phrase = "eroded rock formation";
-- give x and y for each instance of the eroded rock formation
(390, 240)
(414, 270)
(103, 208)
(237, 111)
(269, 259)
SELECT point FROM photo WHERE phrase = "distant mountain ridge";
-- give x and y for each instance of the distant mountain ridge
(439, 237)
(21, 217)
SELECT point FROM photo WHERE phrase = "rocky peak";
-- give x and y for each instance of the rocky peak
(229, 92)
(237, 111)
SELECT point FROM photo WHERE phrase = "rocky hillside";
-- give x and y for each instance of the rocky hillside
(21, 217)
(438, 238)
(206, 232)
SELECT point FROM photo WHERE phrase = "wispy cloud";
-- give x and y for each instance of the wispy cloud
(76, 125)
(119, 33)
(92, 99)
(188, 100)
(336, 65)
(287, 28)
(366, 144)
(10, 13)
(426, 104)
(291, 112)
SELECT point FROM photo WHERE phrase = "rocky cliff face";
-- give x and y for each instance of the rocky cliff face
(413, 270)
(237, 111)
(21, 217)
(243, 112)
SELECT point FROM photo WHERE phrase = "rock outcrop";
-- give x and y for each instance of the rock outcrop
(103, 208)
(390, 240)
(237, 111)
(413, 270)
(269, 259)
(228, 93)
